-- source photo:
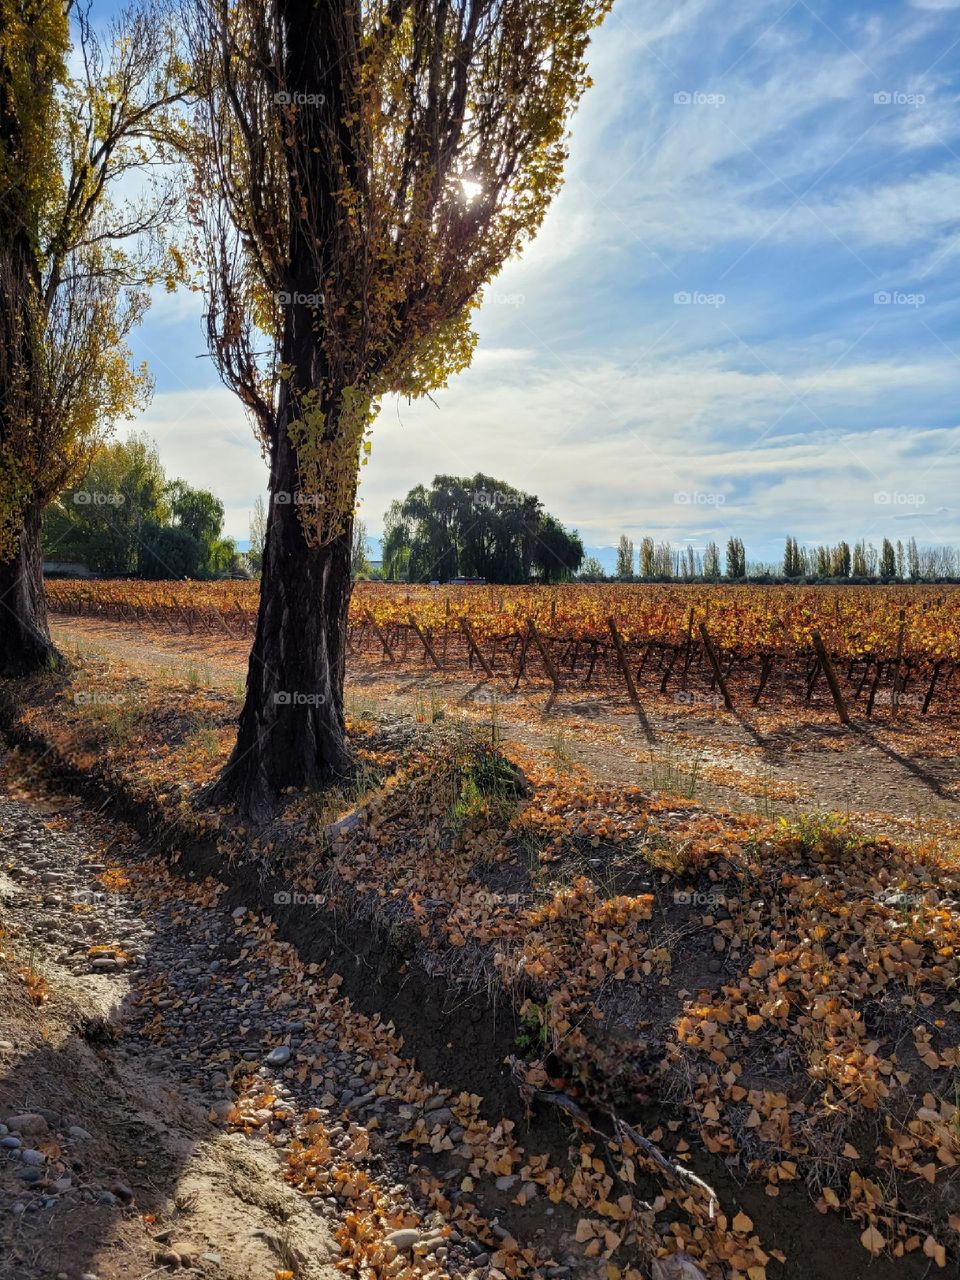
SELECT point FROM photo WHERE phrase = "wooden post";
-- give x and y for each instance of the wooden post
(548, 662)
(715, 665)
(426, 643)
(831, 675)
(895, 687)
(627, 673)
(467, 630)
(379, 634)
(687, 649)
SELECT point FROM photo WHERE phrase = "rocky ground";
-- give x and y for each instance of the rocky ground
(162, 1074)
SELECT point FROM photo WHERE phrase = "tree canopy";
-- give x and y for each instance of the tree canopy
(476, 527)
(126, 518)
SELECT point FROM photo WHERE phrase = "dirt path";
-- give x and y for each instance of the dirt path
(900, 776)
(111, 1164)
(166, 1068)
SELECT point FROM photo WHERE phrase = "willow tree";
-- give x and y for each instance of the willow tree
(75, 265)
(364, 167)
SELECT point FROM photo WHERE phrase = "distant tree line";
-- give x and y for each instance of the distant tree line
(476, 527)
(126, 518)
(861, 563)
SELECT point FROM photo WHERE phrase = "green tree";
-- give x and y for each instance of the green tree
(168, 551)
(624, 558)
(840, 561)
(859, 568)
(100, 520)
(557, 553)
(200, 514)
(913, 561)
(711, 562)
(736, 559)
(888, 561)
(591, 570)
(396, 542)
(647, 553)
(476, 527)
(362, 171)
(258, 534)
(359, 563)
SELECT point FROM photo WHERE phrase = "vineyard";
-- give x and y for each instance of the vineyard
(729, 646)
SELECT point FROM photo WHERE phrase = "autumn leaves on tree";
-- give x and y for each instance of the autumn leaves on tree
(361, 173)
(76, 264)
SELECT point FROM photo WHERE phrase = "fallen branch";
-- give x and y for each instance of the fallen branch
(677, 1172)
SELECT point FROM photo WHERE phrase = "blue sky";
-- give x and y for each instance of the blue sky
(741, 313)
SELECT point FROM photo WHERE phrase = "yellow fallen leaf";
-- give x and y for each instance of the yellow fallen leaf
(872, 1240)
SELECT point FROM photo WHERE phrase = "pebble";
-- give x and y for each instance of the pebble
(278, 1057)
(403, 1239)
(30, 1124)
(35, 1158)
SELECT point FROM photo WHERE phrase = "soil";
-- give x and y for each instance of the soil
(894, 774)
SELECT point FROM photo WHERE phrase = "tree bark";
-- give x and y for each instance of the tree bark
(292, 731)
(25, 644)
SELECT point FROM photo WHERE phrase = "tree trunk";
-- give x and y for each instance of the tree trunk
(25, 644)
(292, 731)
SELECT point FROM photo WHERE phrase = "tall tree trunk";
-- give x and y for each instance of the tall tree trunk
(292, 731)
(25, 644)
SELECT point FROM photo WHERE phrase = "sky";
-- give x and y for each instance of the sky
(740, 315)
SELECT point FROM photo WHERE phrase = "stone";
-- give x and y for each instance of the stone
(278, 1057)
(35, 1158)
(30, 1124)
(403, 1239)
